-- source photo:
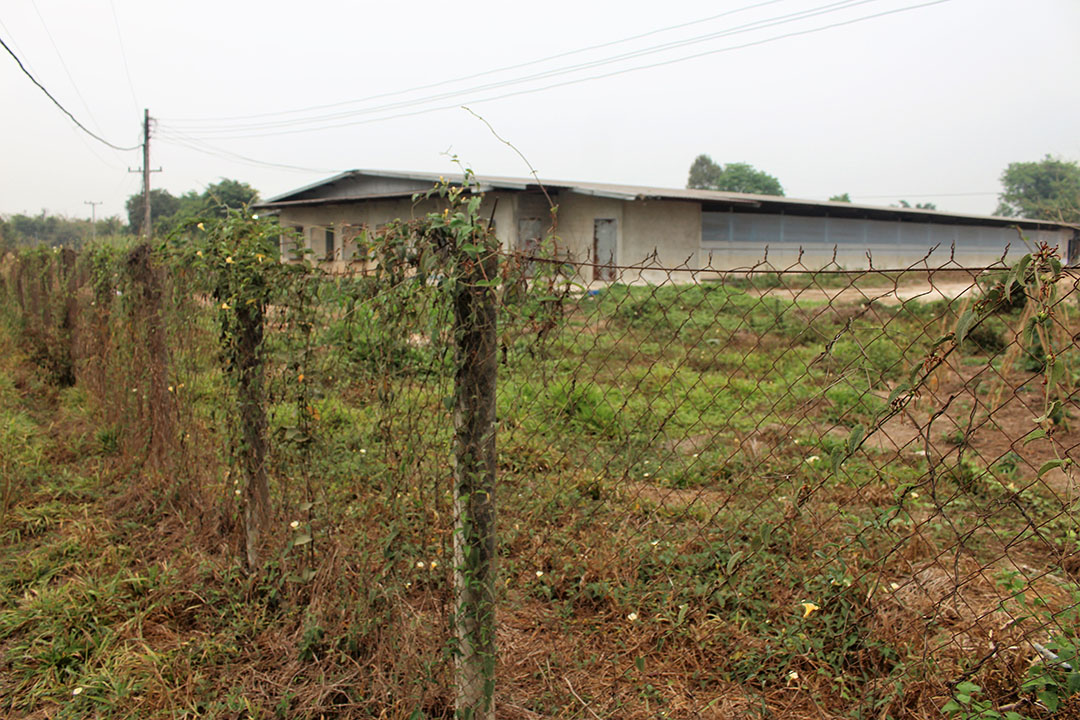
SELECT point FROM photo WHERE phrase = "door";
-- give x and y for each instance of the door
(528, 241)
(604, 242)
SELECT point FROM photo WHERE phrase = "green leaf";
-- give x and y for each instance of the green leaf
(898, 391)
(951, 707)
(964, 324)
(1048, 466)
(302, 538)
(1050, 699)
(1049, 412)
(733, 560)
(306, 506)
(856, 437)
(1034, 435)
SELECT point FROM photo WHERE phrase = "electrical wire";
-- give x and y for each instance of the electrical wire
(63, 109)
(825, 9)
(484, 73)
(575, 81)
(123, 56)
(63, 64)
(206, 149)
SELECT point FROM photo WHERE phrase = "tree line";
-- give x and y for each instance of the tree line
(1047, 189)
(167, 211)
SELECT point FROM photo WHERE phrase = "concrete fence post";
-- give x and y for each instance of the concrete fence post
(474, 488)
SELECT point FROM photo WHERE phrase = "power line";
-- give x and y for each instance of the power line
(63, 64)
(123, 56)
(62, 108)
(199, 146)
(484, 73)
(575, 81)
(739, 29)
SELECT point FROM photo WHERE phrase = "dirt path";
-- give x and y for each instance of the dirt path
(888, 295)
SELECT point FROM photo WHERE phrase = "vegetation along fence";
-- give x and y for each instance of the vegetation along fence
(466, 482)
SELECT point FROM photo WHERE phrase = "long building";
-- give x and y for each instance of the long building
(625, 225)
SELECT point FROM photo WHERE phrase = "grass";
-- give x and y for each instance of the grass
(677, 536)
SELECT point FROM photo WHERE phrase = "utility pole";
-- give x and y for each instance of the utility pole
(93, 217)
(145, 170)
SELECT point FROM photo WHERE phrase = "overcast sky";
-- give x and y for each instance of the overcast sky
(926, 104)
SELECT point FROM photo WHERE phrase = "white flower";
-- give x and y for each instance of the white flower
(237, 491)
(76, 691)
(654, 543)
(363, 451)
(646, 474)
(812, 459)
(420, 564)
(539, 573)
(632, 617)
(294, 524)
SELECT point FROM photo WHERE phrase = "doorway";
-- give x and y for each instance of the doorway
(604, 245)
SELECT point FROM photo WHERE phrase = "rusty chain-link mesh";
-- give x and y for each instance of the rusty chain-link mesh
(792, 492)
(773, 492)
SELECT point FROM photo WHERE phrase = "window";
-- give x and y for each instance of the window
(330, 249)
(290, 241)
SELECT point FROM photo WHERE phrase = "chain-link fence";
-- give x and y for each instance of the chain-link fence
(773, 492)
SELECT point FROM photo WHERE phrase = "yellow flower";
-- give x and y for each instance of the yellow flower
(200, 226)
(199, 253)
(224, 306)
(301, 378)
(228, 260)
(809, 609)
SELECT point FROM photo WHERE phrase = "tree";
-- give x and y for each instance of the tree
(163, 204)
(705, 174)
(227, 195)
(1046, 190)
(168, 211)
(843, 197)
(918, 206)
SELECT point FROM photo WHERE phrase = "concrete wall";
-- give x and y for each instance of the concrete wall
(739, 240)
(669, 229)
(672, 229)
(682, 235)
(349, 220)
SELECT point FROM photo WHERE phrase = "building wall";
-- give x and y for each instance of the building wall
(658, 233)
(732, 240)
(350, 220)
(681, 235)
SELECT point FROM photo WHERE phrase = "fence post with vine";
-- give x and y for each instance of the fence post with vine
(235, 260)
(476, 261)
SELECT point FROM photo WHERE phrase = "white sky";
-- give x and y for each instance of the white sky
(926, 105)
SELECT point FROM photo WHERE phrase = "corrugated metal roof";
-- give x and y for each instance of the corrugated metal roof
(761, 203)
